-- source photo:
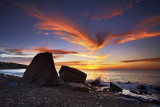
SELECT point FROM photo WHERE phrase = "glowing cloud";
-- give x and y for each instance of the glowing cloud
(30, 52)
(99, 57)
(41, 50)
(137, 36)
(12, 52)
(82, 64)
(65, 28)
(53, 51)
(141, 31)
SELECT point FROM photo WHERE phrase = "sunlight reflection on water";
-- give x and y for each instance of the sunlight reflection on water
(141, 76)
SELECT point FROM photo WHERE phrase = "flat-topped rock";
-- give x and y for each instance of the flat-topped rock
(41, 71)
(69, 74)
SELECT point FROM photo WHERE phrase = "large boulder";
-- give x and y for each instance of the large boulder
(69, 74)
(41, 71)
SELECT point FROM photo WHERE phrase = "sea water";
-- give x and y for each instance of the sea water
(15, 72)
(150, 77)
(134, 76)
(127, 79)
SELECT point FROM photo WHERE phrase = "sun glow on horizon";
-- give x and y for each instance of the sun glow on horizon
(91, 68)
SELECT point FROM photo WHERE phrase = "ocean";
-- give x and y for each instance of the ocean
(126, 79)
(130, 80)
(150, 77)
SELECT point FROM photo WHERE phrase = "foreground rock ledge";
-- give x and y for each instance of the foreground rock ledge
(41, 71)
(69, 74)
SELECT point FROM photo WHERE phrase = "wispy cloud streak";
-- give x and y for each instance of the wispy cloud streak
(83, 64)
(66, 29)
(109, 12)
(142, 60)
(53, 51)
(39, 49)
(141, 31)
(30, 52)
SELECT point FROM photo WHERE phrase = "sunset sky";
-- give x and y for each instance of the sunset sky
(85, 34)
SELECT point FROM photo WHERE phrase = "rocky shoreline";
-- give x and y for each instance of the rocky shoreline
(15, 93)
(41, 86)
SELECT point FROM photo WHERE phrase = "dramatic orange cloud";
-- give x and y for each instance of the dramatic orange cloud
(109, 12)
(142, 60)
(66, 29)
(141, 31)
(137, 36)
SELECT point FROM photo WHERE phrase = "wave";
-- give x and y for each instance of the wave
(140, 91)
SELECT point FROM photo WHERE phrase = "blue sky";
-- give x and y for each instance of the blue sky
(97, 34)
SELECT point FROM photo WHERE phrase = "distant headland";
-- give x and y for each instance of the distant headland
(10, 65)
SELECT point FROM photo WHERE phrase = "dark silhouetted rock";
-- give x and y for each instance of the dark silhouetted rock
(143, 90)
(10, 65)
(115, 88)
(41, 71)
(142, 87)
(140, 92)
(95, 82)
(134, 91)
(69, 74)
(79, 87)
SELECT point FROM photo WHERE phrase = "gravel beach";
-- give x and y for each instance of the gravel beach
(14, 93)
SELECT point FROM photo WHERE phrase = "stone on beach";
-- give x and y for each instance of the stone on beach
(95, 82)
(79, 87)
(69, 74)
(115, 88)
(41, 71)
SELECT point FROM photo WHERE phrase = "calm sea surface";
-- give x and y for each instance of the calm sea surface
(135, 76)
